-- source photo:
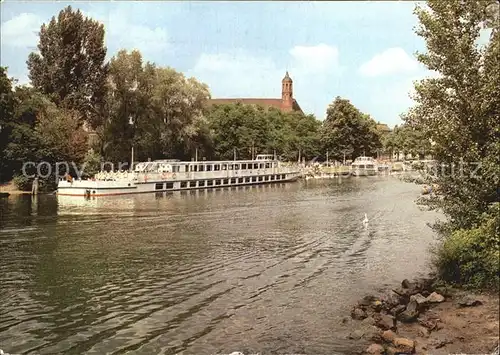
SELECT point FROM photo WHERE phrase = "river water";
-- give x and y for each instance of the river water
(269, 270)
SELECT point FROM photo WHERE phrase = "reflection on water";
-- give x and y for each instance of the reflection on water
(268, 269)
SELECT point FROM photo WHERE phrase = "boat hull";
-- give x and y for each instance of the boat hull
(363, 172)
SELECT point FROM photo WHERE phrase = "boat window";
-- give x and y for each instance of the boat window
(272, 177)
(240, 181)
(230, 167)
(210, 182)
(159, 186)
(224, 166)
(218, 182)
(216, 167)
(183, 184)
(282, 176)
(202, 183)
(208, 167)
(226, 181)
(256, 166)
(194, 167)
(170, 185)
(243, 166)
(247, 179)
(192, 184)
(261, 166)
(268, 165)
(233, 181)
(260, 178)
(254, 178)
(236, 166)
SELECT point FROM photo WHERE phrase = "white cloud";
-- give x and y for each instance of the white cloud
(321, 58)
(238, 74)
(21, 31)
(391, 61)
(123, 33)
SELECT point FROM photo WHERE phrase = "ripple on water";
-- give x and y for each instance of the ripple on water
(268, 269)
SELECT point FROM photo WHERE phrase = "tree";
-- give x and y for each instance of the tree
(22, 143)
(70, 64)
(179, 102)
(128, 100)
(244, 128)
(62, 134)
(254, 129)
(157, 110)
(7, 106)
(348, 130)
(408, 140)
(459, 112)
(301, 137)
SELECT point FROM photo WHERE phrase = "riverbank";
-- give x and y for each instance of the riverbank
(11, 189)
(422, 318)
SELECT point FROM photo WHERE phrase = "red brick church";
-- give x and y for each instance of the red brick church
(286, 104)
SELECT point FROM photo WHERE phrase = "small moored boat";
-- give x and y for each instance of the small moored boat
(364, 166)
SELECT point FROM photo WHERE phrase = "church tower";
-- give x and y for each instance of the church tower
(287, 93)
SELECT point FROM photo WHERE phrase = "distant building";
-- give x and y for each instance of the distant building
(286, 104)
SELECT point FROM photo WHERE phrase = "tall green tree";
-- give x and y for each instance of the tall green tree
(346, 130)
(69, 66)
(459, 109)
(179, 102)
(7, 106)
(128, 105)
(460, 112)
(157, 110)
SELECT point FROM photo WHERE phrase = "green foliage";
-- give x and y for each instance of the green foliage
(459, 110)
(165, 109)
(69, 66)
(22, 182)
(471, 256)
(92, 163)
(407, 140)
(7, 106)
(252, 130)
(346, 130)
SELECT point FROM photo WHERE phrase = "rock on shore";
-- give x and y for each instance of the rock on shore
(420, 318)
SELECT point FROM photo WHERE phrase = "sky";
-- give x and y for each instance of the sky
(361, 51)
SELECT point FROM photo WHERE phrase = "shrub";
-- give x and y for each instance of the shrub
(22, 182)
(470, 257)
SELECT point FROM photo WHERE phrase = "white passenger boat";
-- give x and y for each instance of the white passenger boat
(364, 166)
(174, 175)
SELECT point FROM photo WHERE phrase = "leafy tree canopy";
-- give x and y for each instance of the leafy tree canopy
(69, 66)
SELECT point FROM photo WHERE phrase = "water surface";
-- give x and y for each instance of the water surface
(269, 270)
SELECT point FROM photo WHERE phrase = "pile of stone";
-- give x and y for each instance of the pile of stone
(379, 316)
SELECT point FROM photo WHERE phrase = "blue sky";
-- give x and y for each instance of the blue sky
(362, 51)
